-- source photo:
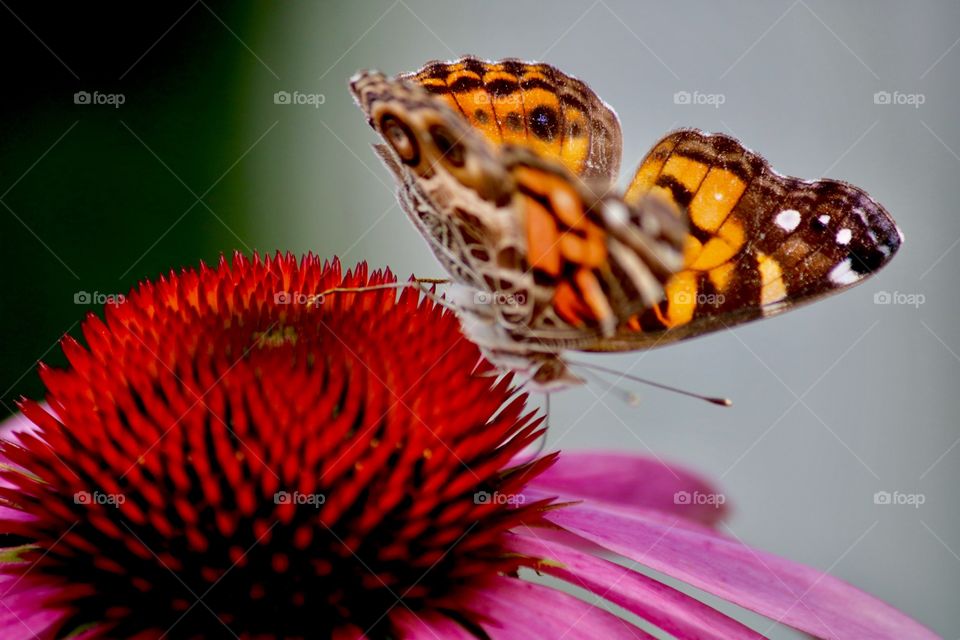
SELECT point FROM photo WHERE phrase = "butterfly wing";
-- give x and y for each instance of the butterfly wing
(759, 243)
(595, 260)
(533, 105)
(566, 261)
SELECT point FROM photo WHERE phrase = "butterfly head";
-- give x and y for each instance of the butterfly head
(425, 137)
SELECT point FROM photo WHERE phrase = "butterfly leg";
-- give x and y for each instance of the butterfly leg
(418, 283)
(546, 428)
(547, 403)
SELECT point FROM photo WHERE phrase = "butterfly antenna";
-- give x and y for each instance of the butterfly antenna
(723, 402)
(627, 396)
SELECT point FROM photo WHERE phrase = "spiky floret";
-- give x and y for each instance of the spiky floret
(234, 449)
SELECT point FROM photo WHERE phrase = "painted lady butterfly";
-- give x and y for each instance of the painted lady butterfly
(507, 169)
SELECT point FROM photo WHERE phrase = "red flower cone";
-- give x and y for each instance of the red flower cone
(249, 451)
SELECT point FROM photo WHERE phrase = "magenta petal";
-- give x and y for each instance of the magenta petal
(9, 431)
(633, 481)
(16, 423)
(9, 515)
(427, 626)
(519, 610)
(21, 615)
(661, 605)
(785, 591)
(19, 423)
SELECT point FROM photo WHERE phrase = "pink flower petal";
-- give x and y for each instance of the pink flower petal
(31, 626)
(520, 610)
(629, 480)
(785, 591)
(16, 423)
(9, 515)
(10, 430)
(661, 605)
(19, 423)
(22, 615)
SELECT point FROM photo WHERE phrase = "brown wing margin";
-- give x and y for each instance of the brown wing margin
(760, 243)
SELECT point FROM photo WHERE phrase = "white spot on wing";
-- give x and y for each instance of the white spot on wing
(718, 196)
(843, 273)
(788, 219)
(824, 219)
(844, 236)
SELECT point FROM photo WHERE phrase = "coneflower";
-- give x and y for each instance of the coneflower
(245, 452)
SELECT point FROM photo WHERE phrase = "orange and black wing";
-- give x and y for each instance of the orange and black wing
(602, 260)
(759, 243)
(533, 105)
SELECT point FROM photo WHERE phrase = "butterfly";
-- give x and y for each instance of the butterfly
(508, 171)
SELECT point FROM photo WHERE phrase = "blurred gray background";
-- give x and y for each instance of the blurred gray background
(833, 403)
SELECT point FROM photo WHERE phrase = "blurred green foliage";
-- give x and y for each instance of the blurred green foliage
(97, 197)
